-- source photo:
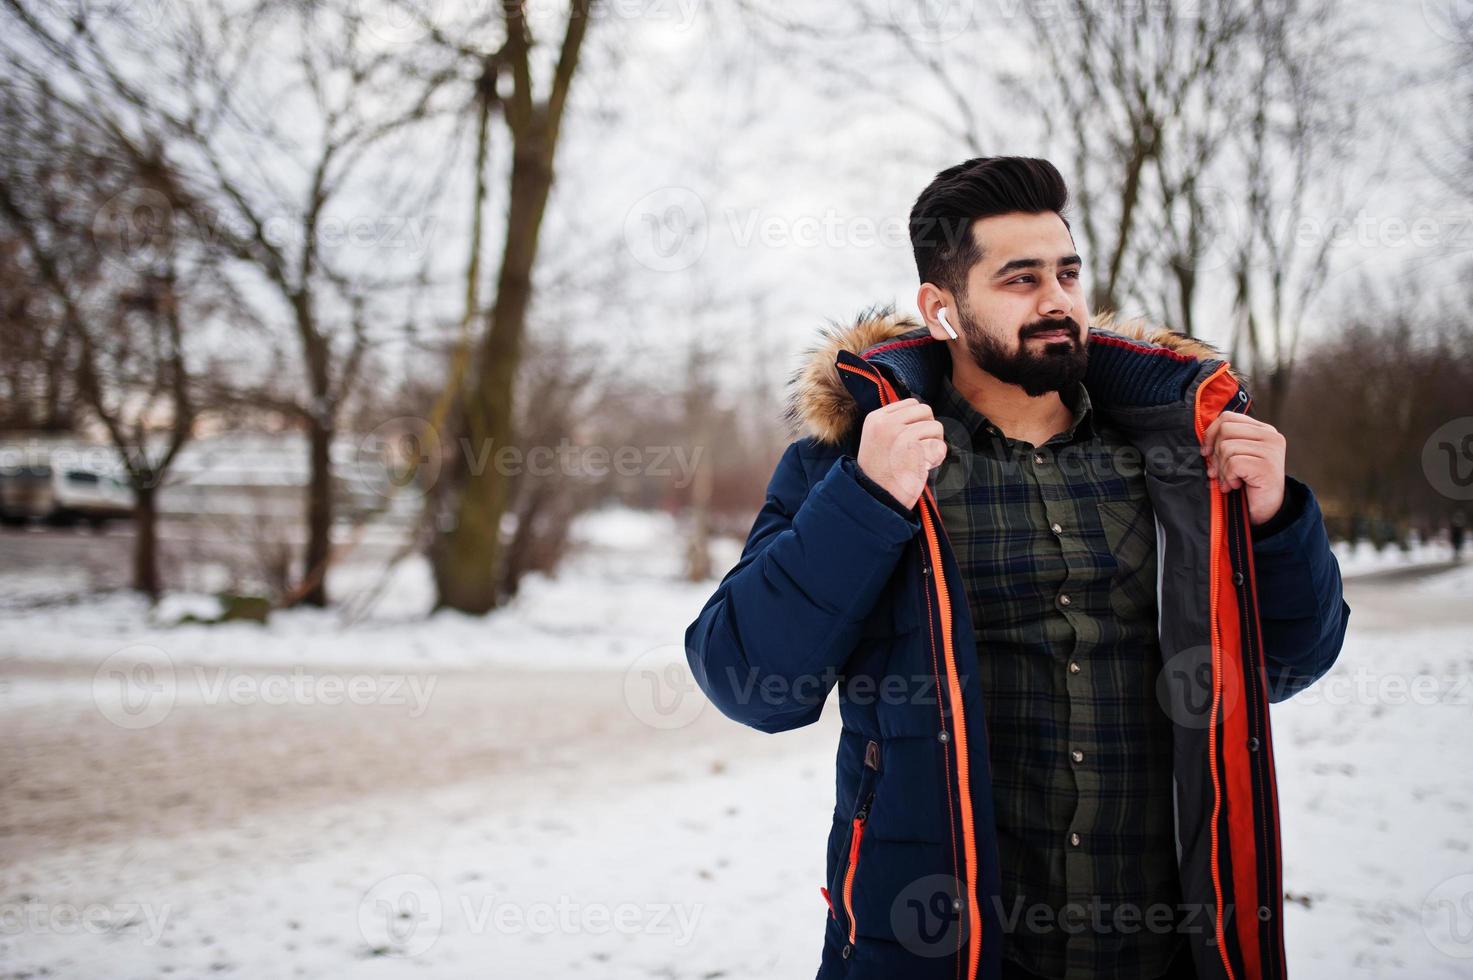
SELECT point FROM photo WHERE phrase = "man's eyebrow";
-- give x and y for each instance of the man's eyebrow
(1017, 264)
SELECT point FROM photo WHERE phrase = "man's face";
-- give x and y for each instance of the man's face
(1024, 313)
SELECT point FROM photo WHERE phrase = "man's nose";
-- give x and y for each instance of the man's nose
(1055, 304)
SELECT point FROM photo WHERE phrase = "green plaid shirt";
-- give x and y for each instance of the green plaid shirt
(1057, 548)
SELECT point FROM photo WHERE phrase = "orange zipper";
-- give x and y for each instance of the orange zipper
(954, 699)
(854, 838)
(963, 762)
(1215, 491)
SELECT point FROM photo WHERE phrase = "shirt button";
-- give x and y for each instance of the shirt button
(1037, 458)
(1074, 839)
(1054, 527)
(1077, 755)
(1073, 667)
(1064, 600)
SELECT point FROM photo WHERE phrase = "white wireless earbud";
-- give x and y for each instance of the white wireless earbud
(941, 315)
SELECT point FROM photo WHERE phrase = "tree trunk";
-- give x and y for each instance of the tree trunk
(1186, 292)
(468, 554)
(145, 542)
(698, 546)
(319, 514)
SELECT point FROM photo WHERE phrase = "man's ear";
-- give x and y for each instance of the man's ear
(930, 300)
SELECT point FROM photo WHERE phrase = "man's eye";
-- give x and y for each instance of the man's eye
(1069, 274)
(1022, 280)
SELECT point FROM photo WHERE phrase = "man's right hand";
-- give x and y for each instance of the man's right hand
(899, 445)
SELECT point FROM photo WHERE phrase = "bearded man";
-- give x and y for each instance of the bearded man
(1057, 572)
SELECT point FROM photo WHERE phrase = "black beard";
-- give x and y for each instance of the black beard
(1056, 365)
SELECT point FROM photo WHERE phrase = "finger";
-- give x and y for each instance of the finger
(1224, 470)
(1264, 453)
(935, 450)
(1230, 424)
(893, 407)
(1244, 470)
(1210, 432)
(926, 429)
(908, 410)
(1246, 447)
(1235, 428)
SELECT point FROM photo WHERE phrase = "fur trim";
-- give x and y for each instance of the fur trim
(819, 405)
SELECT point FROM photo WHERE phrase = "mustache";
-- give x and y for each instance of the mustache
(1046, 326)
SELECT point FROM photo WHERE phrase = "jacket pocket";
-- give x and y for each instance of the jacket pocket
(842, 896)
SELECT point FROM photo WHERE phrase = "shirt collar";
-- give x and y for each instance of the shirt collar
(955, 405)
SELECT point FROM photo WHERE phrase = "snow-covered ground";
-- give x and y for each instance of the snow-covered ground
(1363, 556)
(1376, 790)
(539, 793)
(620, 596)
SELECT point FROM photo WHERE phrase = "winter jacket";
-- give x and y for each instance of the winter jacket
(836, 588)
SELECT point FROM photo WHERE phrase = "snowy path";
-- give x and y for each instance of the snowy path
(1376, 790)
(540, 825)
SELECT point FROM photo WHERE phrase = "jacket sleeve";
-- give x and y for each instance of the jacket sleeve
(1301, 602)
(768, 645)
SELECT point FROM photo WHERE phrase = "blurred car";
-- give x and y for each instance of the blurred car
(62, 495)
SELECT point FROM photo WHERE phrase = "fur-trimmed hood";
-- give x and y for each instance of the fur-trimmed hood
(819, 405)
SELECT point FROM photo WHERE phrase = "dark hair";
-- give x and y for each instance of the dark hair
(941, 220)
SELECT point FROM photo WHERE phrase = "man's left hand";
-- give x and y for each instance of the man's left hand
(1242, 451)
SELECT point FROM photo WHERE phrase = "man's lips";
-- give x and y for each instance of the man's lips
(1060, 334)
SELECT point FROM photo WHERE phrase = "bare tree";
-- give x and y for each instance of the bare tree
(1303, 123)
(1453, 165)
(119, 307)
(38, 376)
(467, 553)
(560, 392)
(699, 396)
(1371, 454)
(1193, 136)
(194, 100)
